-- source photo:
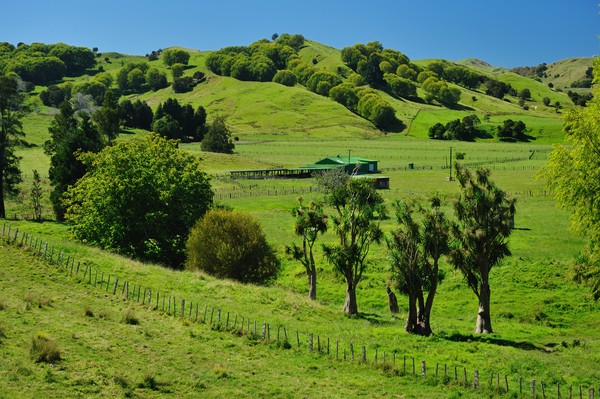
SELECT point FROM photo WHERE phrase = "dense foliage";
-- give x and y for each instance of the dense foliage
(11, 136)
(573, 174)
(218, 137)
(258, 62)
(465, 129)
(70, 135)
(140, 77)
(41, 63)
(175, 121)
(174, 56)
(140, 198)
(231, 244)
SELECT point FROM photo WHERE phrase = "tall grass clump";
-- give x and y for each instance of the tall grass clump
(45, 349)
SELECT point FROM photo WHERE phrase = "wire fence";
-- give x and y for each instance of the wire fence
(285, 337)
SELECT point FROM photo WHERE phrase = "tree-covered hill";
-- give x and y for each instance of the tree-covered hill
(257, 108)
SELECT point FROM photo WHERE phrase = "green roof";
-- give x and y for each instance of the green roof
(345, 161)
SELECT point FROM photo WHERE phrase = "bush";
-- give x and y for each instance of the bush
(231, 244)
(285, 77)
(44, 349)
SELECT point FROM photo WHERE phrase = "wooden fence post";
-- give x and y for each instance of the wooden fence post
(310, 342)
(115, 285)
(264, 331)
(364, 355)
(182, 308)
(533, 389)
(423, 369)
(476, 379)
(543, 390)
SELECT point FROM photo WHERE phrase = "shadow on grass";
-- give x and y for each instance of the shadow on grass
(375, 319)
(457, 337)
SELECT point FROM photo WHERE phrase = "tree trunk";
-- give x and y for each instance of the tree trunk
(426, 312)
(2, 209)
(392, 301)
(484, 320)
(350, 306)
(411, 318)
(312, 285)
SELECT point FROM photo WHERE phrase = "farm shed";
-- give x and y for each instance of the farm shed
(361, 165)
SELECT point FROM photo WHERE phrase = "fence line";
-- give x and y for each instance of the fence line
(318, 345)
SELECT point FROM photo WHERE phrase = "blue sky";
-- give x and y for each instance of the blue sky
(505, 33)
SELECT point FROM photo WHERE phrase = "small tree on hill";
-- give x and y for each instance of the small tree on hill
(359, 212)
(175, 56)
(485, 217)
(36, 196)
(218, 137)
(310, 222)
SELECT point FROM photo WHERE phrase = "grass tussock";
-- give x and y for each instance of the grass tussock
(129, 317)
(45, 349)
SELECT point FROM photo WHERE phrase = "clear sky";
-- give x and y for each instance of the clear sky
(504, 33)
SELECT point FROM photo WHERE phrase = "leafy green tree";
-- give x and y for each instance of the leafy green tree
(53, 96)
(168, 127)
(136, 79)
(309, 223)
(231, 244)
(359, 210)
(135, 114)
(11, 136)
(525, 94)
(345, 94)
(320, 77)
(573, 175)
(68, 138)
(177, 70)
(369, 70)
(400, 87)
(156, 79)
(415, 251)
(107, 118)
(36, 196)
(512, 131)
(183, 84)
(485, 218)
(285, 77)
(140, 198)
(175, 56)
(218, 137)
(76, 59)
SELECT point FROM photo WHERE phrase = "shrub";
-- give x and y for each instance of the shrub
(285, 77)
(44, 349)
(231, 244)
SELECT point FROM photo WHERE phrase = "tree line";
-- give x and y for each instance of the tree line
(41, 63)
